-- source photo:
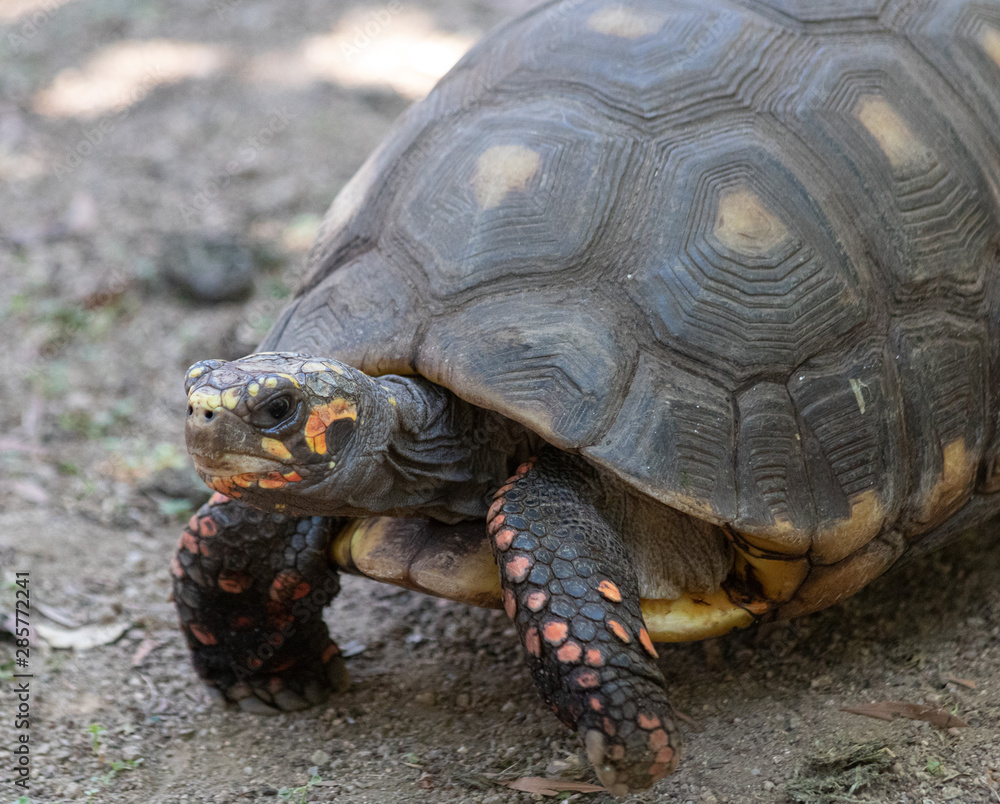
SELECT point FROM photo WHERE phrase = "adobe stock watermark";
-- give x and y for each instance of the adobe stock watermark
(246, 154)
(363, 34)
(95, 135)
(31, 26)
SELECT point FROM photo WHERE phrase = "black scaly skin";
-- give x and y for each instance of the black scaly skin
(569, 586)
(250, 587)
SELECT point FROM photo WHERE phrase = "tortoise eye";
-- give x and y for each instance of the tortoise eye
(274, 412)
(278, 408)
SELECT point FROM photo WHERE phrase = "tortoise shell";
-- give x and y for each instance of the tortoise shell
(743, 255)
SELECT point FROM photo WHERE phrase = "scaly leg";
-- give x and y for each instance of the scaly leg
(570, 588)
(250, 588)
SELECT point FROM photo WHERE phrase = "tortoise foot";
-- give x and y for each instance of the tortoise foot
(250, 588)
(570, 588)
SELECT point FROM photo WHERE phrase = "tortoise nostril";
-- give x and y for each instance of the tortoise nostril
(190, 410)
(209, 414)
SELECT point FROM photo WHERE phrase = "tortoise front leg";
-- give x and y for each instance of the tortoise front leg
(250, 588)
(570, 588)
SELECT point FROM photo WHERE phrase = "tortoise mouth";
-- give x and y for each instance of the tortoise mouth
(234, 463)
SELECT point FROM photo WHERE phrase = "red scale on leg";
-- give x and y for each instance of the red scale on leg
(509, 603)
(517, 569)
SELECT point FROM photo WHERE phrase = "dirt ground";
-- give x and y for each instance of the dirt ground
(132, 131)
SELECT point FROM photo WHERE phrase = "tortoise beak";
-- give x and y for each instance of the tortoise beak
(221, 442)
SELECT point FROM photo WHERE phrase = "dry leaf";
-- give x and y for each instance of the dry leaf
(146, 647)
(962, 682)
(90, 636)
(552, 787)
(59, 616)
(885, 711)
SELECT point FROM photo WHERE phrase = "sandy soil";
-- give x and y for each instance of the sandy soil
(126, 124)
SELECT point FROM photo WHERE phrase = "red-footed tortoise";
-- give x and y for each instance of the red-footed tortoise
(686, 312)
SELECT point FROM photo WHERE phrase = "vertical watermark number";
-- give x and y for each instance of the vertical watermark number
(21, 748)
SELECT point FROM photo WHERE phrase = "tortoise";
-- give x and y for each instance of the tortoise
(655, 319)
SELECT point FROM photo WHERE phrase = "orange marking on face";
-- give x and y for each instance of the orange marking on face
(569, 653)
(609, 727)
(587, 679)
(272, 481)
(509, 603)
(532, 643)
(517, 568)
(218, 499)
(505, 538)
(647, 643)
(619, 630)
(648, 722)
(203, 636)
(555, 631)
(537, 600)
(317, 443)
(234, 582)
(495, 524)
(322, 416)
(292, 477)
(610, 591)
(595, 704)
(244, 481)
(331, 651)
(658, 739)
(595, 658)
(207, 527)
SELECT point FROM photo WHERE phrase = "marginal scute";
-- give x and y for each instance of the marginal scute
(673, 440)
(556, 368)
(827, 586)
(901, 146)
(842, 537)
(503, 169)
(628, 23)
(957, 478)
(768, 579)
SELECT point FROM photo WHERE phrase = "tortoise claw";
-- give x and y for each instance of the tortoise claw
(255, 706)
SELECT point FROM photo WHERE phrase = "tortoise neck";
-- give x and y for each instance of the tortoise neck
(443, 457)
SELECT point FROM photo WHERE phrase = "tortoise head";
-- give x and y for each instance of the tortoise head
(284, 432)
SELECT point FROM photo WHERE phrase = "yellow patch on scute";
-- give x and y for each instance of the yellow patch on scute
(895, 138)
(957, 477)
(624, 22)
(231, 398)
(743, 223)
(501, 170)
(692, 617)
(846, 536)
(990, 40)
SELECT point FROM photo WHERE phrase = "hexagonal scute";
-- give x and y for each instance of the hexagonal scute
(511, 192)
(740, 266)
